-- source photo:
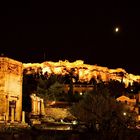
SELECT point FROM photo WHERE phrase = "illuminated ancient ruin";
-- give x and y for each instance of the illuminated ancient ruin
(11, 77)
(37, 105)
(10, 90)
(84, 72)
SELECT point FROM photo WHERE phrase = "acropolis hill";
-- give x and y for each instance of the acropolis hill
(85, 72)
(11, 82)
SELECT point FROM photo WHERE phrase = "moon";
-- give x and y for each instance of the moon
(116, 29)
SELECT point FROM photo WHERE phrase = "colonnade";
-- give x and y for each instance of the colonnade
(37, 105)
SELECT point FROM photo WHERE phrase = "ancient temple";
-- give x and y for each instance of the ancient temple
(10, 90)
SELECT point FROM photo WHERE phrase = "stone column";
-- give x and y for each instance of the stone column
(12, 115)
(34, 106)
(38, 105)
(23, 116)
(18, 109)
(42, 112)
(33, 102)
(7, 109)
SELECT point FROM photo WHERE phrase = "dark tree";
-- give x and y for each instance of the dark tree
(99, 108)
(51, 88)
(116, 88)
(70, 92)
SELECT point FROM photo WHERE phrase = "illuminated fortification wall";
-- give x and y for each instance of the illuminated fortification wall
(85, 72)
(10, 89)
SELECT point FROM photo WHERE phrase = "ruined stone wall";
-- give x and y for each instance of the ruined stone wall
(58, 113)
(78, 88)
(84, 72)
(10, 88)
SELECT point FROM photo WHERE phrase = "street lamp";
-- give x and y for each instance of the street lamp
(124, 113)
(116, 29)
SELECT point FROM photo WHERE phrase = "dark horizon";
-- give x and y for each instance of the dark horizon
(85, 33)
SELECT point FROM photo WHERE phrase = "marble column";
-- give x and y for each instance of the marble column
(42, 112)
(23, 116)
(34, 106)
(7, 109)
(33, 102)
(12, 115)
(38, 105)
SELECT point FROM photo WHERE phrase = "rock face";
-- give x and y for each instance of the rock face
(10, 89)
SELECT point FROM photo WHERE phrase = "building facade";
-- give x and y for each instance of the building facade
(10, 90)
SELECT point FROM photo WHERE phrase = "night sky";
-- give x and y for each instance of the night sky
(72, 32)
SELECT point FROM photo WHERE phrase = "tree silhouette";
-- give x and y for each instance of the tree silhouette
(51, 88)
(70, 92)
(116, 88)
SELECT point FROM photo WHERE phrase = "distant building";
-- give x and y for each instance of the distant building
(131, 103)
(127, 100)
(79, 88)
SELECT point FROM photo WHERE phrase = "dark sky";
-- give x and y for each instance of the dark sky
(71, 32)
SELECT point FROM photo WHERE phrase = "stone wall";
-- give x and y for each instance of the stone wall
(58, 113)
(10, 89)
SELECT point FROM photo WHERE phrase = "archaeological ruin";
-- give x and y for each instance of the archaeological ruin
(11, 81)
(10, 90)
